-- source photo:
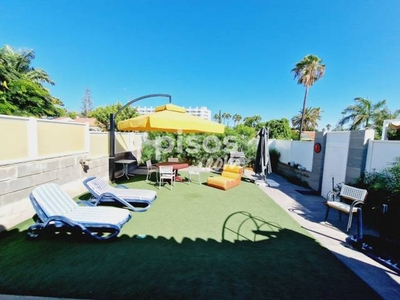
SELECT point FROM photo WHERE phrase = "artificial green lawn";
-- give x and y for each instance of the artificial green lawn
(183, 255)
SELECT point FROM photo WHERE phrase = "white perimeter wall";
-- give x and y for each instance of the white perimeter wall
(381, 154)
(299, 152)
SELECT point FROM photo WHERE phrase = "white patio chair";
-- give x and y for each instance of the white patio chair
(349, 200)
(195, 171)
(166, 173)
(150, 170)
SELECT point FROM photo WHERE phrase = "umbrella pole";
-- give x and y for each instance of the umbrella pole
(111, 159)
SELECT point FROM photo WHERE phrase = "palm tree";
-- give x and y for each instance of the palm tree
(217, 118)
(237, 118)
(17, 64)
(309, 118)
(328, 127)
(228, 116)
(21, 89)
(384, 114)
(307, 72)
(363, 114)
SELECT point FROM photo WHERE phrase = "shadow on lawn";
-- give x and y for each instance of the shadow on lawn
(241, 225)
(284, 265)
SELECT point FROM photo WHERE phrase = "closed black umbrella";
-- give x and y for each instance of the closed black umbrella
(262, 164)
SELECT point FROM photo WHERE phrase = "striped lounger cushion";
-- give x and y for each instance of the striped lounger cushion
(98, 186)
(53, 201)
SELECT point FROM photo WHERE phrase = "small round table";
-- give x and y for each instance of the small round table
(125, 163)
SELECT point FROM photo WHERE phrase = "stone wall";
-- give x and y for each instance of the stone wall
(293, 175)
(18, 180)
(312, 178)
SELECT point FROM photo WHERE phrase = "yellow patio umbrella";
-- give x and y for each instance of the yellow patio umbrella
(170, 118)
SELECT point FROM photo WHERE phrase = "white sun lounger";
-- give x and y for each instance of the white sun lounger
(103, 192)
(56, 209)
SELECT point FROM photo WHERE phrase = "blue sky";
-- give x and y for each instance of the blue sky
(233, 56)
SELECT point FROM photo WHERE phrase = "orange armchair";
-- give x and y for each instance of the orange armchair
(230, 177)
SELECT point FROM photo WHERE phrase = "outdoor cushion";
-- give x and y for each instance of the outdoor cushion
(230, 177)
(233, 169)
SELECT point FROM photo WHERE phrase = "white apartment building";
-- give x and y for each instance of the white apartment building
(201, 112)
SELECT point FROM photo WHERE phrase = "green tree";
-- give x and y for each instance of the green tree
(382, 115)
(279, 129)
(245, 131)
(72, 114)
(310, 118)
(102, 114)
(21, 89)
(29, 99)
(237, 118)
(362, 114)
(294, 135)
(253, 121)
(309, 70)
